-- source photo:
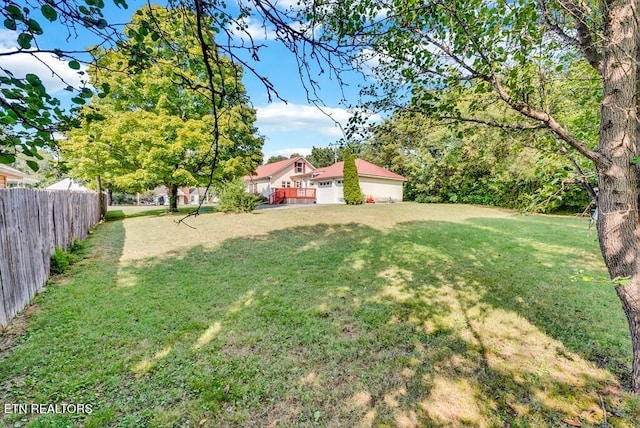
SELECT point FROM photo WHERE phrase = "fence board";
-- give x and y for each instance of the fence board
(32, 224)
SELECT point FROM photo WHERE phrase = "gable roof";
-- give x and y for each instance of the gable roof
(270, 169)
(365, 169)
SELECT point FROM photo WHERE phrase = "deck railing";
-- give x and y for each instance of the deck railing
(280, 194)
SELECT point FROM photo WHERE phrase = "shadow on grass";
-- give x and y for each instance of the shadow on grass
(429, 324)
(62, 323)
(114, 214)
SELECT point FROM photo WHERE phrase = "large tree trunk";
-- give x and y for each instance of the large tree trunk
(102, 203)
(630, 297)
(618, 227)
(173, 198)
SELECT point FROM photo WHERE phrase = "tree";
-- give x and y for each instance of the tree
(526, 169)
(351, 184)
(33, 117)
(147, 129)
(29, 115)
(511, 50)
(325, 156)
(276, 158)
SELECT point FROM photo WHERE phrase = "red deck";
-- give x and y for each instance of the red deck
(281, 194)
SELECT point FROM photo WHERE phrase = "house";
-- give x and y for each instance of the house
(12, 177)
(161, 195)
(376, 183)
(201, 194)
(285, 181)
(68, 184)
(295, 180)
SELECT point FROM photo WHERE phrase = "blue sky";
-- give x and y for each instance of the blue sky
(294, 126)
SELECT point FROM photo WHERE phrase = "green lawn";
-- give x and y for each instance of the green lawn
(379, 315)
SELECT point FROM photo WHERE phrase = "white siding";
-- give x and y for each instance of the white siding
(264, 188)
(381, 189)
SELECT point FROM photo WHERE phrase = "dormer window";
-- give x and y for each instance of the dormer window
(300, 167)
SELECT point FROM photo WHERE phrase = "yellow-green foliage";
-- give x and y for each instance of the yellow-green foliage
(150, 127)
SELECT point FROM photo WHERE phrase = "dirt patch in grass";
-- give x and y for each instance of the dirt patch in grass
(157, 236)
(16, 328)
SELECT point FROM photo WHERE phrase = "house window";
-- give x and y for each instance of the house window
(299, 166)
(338, 182)
(286, 183)
(324, 184)
(298, 184)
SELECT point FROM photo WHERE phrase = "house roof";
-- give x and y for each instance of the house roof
(67, 184)
(13, 173)
(365, 169)
(270, 169)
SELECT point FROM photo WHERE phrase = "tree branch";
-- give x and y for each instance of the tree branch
(493, 124)
(551, 123)
(586, 37)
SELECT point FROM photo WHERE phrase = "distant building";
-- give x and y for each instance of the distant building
(68, 184)
(376, 183)
(11, 177)
(296, 180)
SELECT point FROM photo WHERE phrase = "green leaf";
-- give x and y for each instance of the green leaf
(10, 24)
(86, 93)
(74, 65)
(636, 160)
(15, 12)
(34, 27)
(24, 40)
(49, 12)
(7, 158)
(33, 79)
(33, 165)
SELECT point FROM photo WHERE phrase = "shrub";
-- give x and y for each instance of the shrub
(76, 247)
(351, 185)
(428, 199)
(233, 198)
(60, 261)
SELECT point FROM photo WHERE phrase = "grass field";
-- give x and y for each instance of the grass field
(381, 315)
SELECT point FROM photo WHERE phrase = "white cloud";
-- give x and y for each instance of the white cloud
(54, 72)
(258, 31)
(368, 61)
(281, 117)
(288, 4)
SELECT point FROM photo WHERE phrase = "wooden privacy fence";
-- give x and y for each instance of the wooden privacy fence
(32, 224)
